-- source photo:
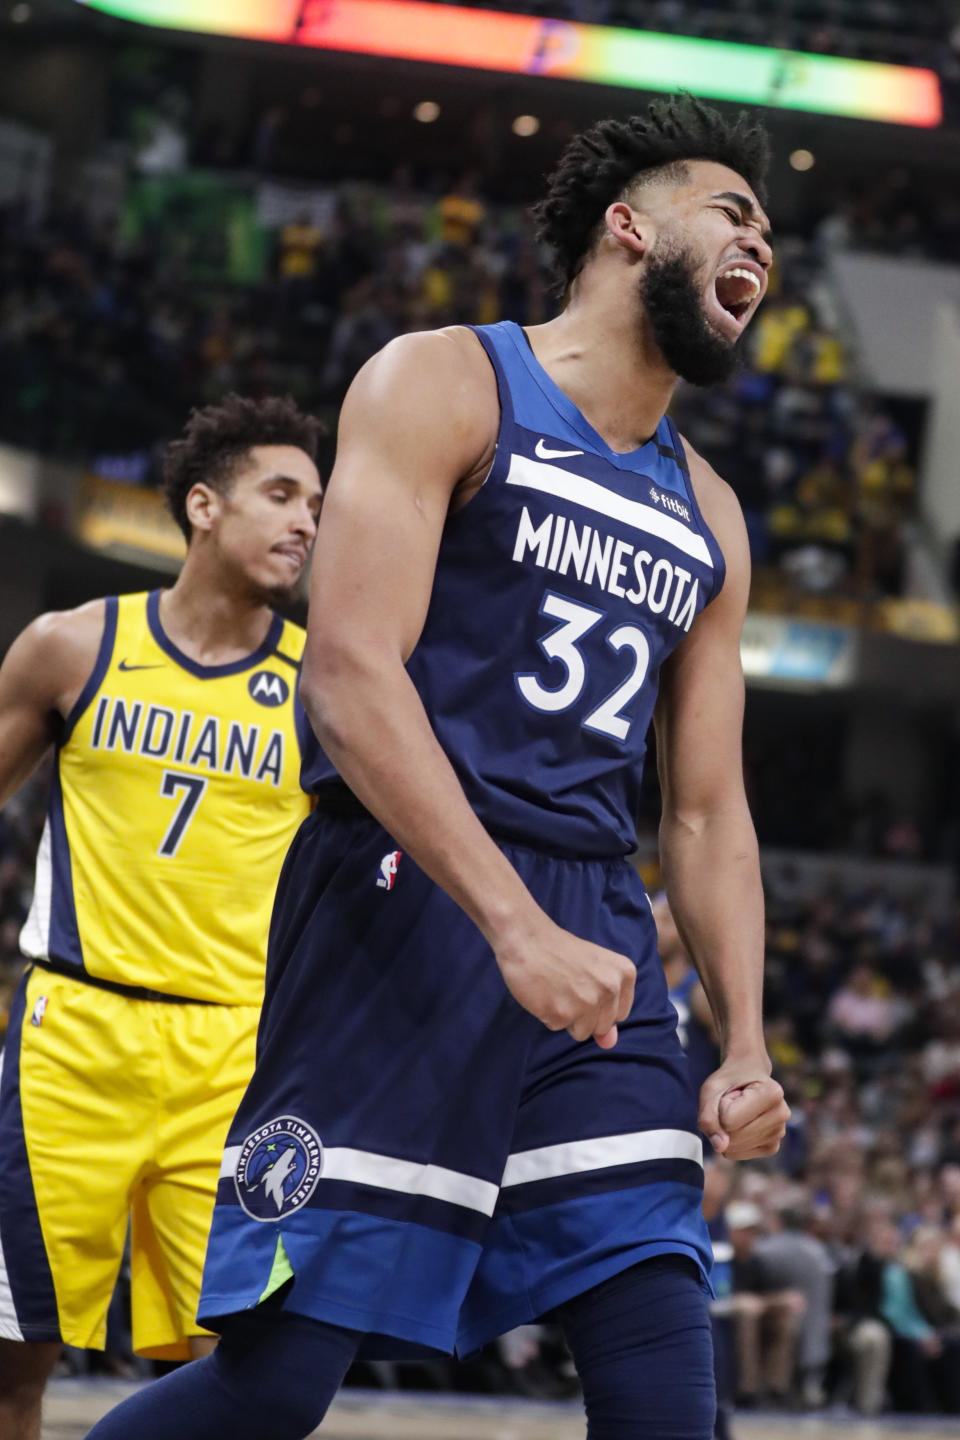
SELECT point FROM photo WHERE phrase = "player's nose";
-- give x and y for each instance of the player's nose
(305, 524)
(757, 248)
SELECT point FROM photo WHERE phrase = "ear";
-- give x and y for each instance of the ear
(628, 227)
(204, 506)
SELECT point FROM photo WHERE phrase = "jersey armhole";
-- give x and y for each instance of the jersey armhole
(101, 666)
(501, 455)
(716, 554)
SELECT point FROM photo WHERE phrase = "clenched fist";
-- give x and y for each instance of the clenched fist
(742, 1109)
(567, 983)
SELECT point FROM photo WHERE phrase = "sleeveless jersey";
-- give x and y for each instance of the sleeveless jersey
(174, 797)
(560, 589)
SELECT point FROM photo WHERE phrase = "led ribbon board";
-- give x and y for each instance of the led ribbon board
(528, 45)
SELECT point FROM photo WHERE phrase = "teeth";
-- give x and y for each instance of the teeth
(741, 274)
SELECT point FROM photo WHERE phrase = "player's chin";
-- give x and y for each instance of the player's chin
(269, 589)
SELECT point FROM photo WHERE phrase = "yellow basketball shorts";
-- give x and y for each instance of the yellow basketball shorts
(112, 1109)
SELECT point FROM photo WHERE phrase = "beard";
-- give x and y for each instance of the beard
(673, 304)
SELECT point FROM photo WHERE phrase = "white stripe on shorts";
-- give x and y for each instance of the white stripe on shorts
(552, 1161)
(9, 1325)
(385, 1172)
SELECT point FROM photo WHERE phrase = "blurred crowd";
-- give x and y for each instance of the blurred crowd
(824, 474)
(842, 1281)
(106, 341)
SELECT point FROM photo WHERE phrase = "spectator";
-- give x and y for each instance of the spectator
(767, 1318)
(795, 1261)
(868, 1337)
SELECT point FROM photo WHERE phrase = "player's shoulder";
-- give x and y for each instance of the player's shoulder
(717, 501)
(444, 372)
(67, 635)
(55, 653)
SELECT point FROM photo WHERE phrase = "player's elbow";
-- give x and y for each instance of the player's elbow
(336, 677)
(721, 810)
(321, 689)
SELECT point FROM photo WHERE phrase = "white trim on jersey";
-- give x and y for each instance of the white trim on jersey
(9, 1325)
(385, 1172)
(35, 935)
(576, 1156)
(564, 485)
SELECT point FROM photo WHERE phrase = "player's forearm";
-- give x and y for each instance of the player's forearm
(372, 724)
(711, 874)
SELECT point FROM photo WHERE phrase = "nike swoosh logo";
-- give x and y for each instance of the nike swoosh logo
(124, 666)
(546, 454)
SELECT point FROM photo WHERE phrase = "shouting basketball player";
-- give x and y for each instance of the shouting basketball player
(470, 1103)
(175, 795)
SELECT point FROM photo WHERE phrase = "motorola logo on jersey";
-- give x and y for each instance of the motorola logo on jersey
(278, 1168)
(268, 688)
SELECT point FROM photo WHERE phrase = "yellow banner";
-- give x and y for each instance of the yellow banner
(111, 513)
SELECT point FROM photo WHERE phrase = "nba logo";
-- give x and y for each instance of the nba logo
(39, 1010)
(388, 870)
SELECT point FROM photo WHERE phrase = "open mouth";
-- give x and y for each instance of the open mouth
(736, 289)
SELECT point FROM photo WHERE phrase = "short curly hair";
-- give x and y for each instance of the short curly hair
(217, 438)
(598, 166)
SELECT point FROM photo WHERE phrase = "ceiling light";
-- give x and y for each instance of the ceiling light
(802, 160)
(525, 125)
(426, 112)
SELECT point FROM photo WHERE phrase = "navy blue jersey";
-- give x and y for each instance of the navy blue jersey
(560, 589)
(703, 1053)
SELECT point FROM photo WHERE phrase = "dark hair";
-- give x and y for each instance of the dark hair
(219, 436)
(598, 165)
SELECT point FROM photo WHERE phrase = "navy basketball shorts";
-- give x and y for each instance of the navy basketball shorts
(416, 1156)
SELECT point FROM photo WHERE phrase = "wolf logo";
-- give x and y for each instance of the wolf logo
(388, 870)
(278, 1167)
(276, 1175)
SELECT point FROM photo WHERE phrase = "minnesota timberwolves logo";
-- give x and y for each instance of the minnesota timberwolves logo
(268, 688)
(278, 1169)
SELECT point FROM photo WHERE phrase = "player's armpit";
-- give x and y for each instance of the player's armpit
(42, 675)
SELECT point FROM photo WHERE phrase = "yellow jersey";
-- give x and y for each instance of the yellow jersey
(175, 795)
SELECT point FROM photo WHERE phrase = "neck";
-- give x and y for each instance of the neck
(608, 365)
(210, 619)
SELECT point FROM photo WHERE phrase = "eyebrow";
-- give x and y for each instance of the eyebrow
(746, 207)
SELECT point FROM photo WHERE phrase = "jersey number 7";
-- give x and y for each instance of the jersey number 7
(193, 787)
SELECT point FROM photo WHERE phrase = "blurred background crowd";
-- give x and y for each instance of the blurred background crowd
(108, 334)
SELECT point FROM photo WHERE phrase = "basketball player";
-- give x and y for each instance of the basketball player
(470, 1104)
(175, 795)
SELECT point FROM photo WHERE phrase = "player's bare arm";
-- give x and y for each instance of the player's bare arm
(708, 844)
(41, 678)
(417, 436)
